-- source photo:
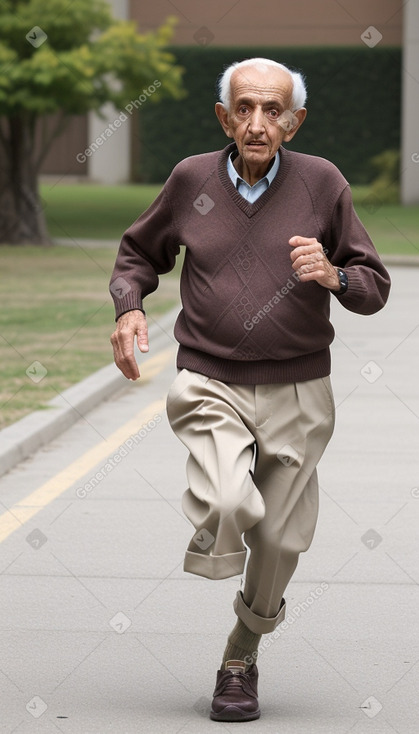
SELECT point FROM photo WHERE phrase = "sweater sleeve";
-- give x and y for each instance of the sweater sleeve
(148, 248)
(352, 250)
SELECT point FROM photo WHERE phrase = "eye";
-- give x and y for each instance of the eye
(274, 114)
(243, 110)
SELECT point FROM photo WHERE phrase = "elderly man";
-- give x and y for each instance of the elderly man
(269, 235)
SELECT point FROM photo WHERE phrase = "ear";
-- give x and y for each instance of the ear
(222, 115)
(301, 115)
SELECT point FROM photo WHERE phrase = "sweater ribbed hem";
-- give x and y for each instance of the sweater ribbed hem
(263, 372)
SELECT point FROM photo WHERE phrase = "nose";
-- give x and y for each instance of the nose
(257, 121)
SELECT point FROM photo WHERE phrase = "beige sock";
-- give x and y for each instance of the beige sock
(242, 645)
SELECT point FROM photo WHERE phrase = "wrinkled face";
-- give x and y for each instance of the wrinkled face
(259, 118)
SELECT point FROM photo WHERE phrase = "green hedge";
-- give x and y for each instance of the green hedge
(353, 108)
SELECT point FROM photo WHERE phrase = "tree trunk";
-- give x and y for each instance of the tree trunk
(22, 219)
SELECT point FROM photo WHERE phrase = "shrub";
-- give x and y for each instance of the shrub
(386, 185)
(353, 108)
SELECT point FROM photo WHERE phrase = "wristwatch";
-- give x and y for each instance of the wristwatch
(343, 280)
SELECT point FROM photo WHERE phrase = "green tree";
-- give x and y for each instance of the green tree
(64, 58)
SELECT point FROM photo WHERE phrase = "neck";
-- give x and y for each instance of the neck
(251, 175)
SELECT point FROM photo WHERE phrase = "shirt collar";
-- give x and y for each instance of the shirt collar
(236, 179)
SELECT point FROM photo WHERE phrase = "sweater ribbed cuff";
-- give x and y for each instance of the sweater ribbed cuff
(358, 298)
(126, 302)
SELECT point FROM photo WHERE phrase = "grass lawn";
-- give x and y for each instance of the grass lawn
(59, 312)
(104, 212)
(94, 212)
(394, 229)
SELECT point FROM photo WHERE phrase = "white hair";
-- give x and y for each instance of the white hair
(299, 92)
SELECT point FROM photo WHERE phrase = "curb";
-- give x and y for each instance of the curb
(89, 244)
(400, 260)
(23, 438)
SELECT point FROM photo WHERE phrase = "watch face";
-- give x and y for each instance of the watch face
(343, 278)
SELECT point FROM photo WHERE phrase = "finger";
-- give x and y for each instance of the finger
(124, 357)
(307, 249)
(115, 347)
(129, 368)
(304, 265)
(142, 338)
(297, 241)
(314, 275)
(127, 364)
(307, 253)
(310, 268)
(310, 259)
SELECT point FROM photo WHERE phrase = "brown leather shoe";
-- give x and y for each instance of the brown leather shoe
(236, 694)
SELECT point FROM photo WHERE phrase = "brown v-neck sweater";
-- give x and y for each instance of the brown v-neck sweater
(246, 318)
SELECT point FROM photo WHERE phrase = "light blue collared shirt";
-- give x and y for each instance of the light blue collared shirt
(252, 193)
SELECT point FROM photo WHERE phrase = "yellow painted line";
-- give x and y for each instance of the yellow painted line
(29, 506)
(154, 365)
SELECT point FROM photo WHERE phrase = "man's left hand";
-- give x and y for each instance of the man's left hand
(310, 262)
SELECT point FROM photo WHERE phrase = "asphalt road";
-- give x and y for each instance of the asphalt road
(102, 631)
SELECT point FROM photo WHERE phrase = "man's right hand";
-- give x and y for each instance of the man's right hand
(130, 325)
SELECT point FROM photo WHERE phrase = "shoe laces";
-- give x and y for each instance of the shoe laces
(234, 680)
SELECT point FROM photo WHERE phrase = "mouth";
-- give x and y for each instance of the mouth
(255, 145)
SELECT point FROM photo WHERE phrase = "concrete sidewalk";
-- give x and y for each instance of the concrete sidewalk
(102, 631)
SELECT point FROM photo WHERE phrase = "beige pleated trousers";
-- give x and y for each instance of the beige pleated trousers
(251, 470)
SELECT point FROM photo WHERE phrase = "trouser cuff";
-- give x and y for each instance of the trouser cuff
(255, 623)
(215, 567)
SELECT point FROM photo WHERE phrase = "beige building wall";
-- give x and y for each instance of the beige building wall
(230, 22)
(410, 107)
(274, 22)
